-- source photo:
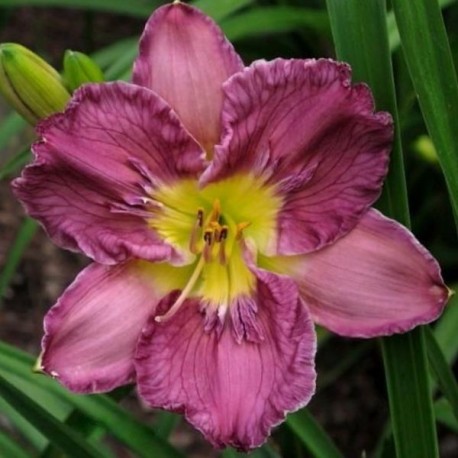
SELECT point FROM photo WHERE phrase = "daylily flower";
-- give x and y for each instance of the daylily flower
(226, 209)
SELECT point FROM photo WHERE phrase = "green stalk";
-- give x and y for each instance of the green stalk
(361, 38)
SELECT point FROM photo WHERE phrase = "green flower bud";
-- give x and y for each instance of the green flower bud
(32, 87)
(80, 69)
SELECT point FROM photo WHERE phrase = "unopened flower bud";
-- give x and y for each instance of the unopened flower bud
(32, 87)
(79, 69)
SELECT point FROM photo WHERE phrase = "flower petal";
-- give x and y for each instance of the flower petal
(377, 280)
(95, 167)
(92, 331)
(302, 126)
(185, 58)
(233, 384)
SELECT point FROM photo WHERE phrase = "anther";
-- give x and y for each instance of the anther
(196, 232)
(208, 236)
(223, 233)
(200, 217)
(209, 240)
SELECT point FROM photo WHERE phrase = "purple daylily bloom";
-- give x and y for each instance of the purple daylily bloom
(226, 209)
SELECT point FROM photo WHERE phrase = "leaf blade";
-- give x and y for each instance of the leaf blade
(361, 37)
(429, 59)
(62, 436)
(138, 436)
(312, 435)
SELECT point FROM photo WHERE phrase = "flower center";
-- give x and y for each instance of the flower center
(208, 227)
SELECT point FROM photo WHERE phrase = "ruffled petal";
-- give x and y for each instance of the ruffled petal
(96, 165)
(185, 58)
(92, 331)
(377, 280)
(233, 382)
(303, 127)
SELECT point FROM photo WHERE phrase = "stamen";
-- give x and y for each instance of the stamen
(208, 236)
(216, 211)
(222, 247)
(200, 217)
(223, 233)
(216, 228)
(240, 228)
(196, 231)
(209, 239)
(184, 293)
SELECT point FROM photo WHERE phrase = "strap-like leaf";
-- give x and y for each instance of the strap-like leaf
(312, 435)
(24, 236)
(10, 449)
(360, 35)
(70, 443)
(139, 437)
(275, 19)
(429, 59)
(442, 371)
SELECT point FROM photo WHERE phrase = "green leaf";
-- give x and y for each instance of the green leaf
(138, 8)
(110, 54)
(69, 442)
(393, 32)
(166, 423)
(222, 8)
(409, 392)
(138, 436)
(266, 451)
(10, 449)
(275, 19)
(445, 329)
(15, 163)
(444, 413)
(443, 372)
(429, 59)
(54, 405)
(14, 256)
(360, 35)
(85, 425)
(122, 64)
(26, 429)
(312, 435)
(360, 38)
(12, 125)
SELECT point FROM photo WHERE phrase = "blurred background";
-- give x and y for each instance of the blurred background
(351, 404)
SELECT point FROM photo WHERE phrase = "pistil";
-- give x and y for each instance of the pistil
(184, 293)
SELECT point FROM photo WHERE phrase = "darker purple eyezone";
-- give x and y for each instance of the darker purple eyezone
(235, 368)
